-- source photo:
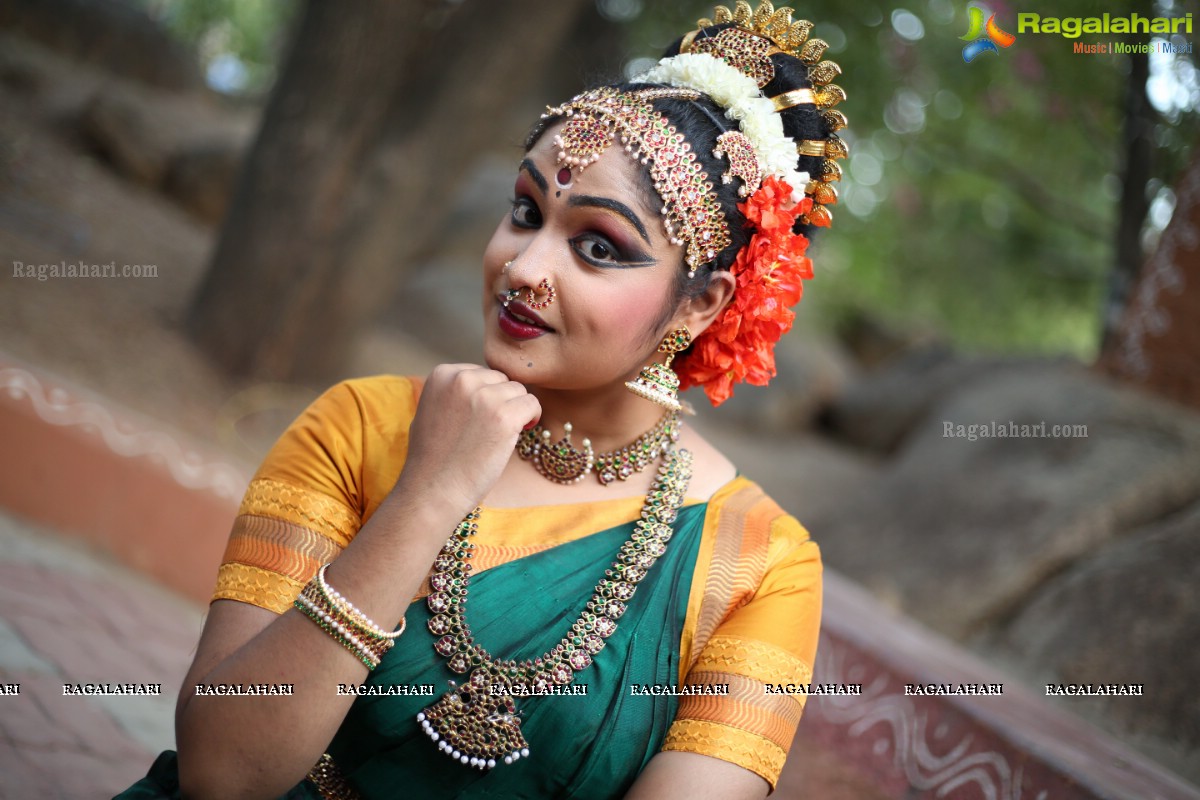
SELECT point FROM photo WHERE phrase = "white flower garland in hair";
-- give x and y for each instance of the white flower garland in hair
(738, 94)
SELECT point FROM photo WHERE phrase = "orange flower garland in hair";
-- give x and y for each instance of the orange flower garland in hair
(740, 345)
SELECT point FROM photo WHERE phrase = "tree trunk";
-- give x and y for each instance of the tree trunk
(1137, 154)
(376, 115)
(1157, 344)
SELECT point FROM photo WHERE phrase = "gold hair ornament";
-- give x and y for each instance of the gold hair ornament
(755, 36)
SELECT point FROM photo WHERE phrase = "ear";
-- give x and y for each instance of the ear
(701, 311)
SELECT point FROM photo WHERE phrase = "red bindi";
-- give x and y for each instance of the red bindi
(563, 177)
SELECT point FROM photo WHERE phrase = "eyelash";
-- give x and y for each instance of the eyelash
(518, 203)
(527, 203)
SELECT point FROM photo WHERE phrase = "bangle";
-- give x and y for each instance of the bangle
(338, 617)
(316, 602)
(330, 626)
(346, 607)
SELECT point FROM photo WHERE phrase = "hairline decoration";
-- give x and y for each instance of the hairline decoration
(691, 211)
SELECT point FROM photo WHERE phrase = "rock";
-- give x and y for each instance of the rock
(190, 150)
(18, 70)
(959, 532)
(1129, 613)
(874, 343)
(123, 130)
(201, 177)
(877, 411)
(807, 475)
(118, 36)
(811, 373)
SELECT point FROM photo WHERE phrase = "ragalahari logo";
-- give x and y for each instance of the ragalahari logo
(983, 38)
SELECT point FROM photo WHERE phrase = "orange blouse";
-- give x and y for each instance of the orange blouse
(753, 611)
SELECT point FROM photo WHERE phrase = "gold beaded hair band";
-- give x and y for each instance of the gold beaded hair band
(756, 35)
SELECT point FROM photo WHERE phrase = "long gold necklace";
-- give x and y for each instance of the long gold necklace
(562, 462)
(477, 723)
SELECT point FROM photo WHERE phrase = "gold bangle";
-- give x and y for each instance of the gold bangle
(794, 98)
(331, 781)
(811, 147)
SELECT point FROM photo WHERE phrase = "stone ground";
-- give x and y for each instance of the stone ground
(71, 615)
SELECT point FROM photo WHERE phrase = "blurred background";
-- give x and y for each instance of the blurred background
(305, 189)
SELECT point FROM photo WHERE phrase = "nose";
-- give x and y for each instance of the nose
(529, 272)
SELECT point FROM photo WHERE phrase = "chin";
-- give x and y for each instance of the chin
(506, 357)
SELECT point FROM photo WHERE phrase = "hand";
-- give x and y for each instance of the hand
(463, 434)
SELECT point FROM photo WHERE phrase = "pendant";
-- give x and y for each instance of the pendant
(561, 461)
(476, 725)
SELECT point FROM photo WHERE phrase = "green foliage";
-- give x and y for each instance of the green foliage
(980, 198)
(238, 41)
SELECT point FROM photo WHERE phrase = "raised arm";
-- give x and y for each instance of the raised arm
(260, 746)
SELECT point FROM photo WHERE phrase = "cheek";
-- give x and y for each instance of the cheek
(494, 255)
(624, 318)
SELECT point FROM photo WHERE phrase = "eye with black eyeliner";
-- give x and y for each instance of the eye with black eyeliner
(599, 251)
(525, 213)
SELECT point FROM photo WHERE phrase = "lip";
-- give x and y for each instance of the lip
(519, 329)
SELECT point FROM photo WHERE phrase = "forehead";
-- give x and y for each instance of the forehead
(615, 175)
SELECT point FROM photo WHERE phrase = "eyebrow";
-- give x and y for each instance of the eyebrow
(625, 211)
(538, 177)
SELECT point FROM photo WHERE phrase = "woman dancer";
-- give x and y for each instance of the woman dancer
(632, 599)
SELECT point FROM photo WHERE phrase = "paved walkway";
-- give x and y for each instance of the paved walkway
(71, 616)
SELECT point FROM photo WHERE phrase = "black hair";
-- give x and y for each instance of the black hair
(701, 121)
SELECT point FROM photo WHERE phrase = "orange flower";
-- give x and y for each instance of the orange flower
(740, 344)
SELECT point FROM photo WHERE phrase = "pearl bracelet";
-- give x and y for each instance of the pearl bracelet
(361, 621)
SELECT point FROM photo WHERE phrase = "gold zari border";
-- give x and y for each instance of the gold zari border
(270, 498)
(255, 586)
(748, 750)
(754, 659)
(277, 546)
(747, 707)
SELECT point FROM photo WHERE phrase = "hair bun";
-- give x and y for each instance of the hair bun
(766, 44)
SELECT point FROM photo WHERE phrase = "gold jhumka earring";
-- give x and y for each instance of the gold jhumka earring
(658, 383)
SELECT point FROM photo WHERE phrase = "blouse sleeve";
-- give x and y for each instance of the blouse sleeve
(770, 639)
(309, 497)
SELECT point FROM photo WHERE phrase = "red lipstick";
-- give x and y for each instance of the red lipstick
(519, 321)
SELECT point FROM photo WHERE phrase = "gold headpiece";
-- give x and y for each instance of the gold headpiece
(759, 34)
(691, 211)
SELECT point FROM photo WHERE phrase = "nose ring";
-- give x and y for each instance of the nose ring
(544, 288)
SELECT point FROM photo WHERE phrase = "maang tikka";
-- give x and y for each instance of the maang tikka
(658, 383)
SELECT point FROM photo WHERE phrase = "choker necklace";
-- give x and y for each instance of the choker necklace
(562, 462)
(478, 723)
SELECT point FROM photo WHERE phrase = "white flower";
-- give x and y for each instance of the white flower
(738, 94)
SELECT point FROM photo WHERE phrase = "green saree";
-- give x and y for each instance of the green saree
(581, 746)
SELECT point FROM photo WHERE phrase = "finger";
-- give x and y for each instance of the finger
(525, 409)
(499, 393)
(491, 376)
(443, 374)
(472, 377)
